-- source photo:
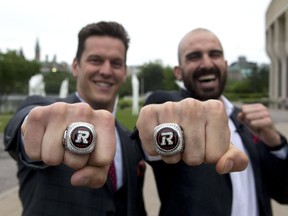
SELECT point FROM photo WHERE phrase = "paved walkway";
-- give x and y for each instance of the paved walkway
(10, 204)
(9, 200)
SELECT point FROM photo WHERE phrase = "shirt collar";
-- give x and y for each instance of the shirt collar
(227, 104)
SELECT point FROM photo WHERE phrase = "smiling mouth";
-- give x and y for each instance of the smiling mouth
(102, 84)
(207, 78)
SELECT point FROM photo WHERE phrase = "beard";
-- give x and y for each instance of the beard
(205, 93)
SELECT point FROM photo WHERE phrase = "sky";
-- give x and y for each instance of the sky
(155, 26)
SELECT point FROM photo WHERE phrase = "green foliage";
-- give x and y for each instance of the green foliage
(4, 118)
(53, 82)
(152, 75)
(242, 86)
(124, 103)
(126, 88)
(259, 79)
(254, 87)
(125, 117)
(245, 96)
(15, 72)
(155, 77)
(169, 79)
(124, 112)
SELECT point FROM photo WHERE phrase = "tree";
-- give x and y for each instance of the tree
(169, 79)
(53, 81)
(126, 88)
(152, 75)
(259, 79)
(15, 72)
(254, 85)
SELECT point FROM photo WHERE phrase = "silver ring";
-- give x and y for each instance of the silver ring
(79, 138)
(168, 139)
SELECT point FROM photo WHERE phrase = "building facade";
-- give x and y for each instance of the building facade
(277, 50)
(240, 69)
(49, 66)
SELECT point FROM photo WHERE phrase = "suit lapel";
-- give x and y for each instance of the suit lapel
(247, 138)
(251, 149)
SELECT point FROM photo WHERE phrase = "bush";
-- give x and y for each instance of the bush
(124, 103)
(53, 82)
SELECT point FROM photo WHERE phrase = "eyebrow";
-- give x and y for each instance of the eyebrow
(216, 50)
(199, 52)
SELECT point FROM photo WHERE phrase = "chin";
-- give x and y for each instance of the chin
(208, 96)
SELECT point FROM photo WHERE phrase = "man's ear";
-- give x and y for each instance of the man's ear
(75, 67)
(178, 73)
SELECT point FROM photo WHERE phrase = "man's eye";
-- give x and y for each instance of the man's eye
(193, 56)
(216, 54)
(95, 60)
(117, 64)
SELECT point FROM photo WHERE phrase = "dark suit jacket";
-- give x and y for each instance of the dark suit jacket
(199, 190)
(48, 191)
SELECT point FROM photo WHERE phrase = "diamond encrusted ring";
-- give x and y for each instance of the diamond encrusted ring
(79, 138)
(168, 139)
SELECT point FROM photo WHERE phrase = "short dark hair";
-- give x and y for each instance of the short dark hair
(103, 28)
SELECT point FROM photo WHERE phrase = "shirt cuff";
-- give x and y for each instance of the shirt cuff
(280, 151)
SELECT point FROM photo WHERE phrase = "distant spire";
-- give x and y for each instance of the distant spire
(54, 59)
(21, 53)
(37, 51)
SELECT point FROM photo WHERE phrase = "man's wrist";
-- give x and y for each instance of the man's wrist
(278, 147)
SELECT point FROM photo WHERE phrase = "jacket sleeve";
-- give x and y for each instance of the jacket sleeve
(12, 129)
(275, 171)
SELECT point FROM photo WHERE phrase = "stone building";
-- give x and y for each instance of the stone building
(240, 69)
(47, 65)
(277, 50)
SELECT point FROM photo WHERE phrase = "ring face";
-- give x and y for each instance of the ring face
(79, 138)
(168, 139)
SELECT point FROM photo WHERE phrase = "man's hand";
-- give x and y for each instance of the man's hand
(206, 133)
(257, 118)
(43, 132)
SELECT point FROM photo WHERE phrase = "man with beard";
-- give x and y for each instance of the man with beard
(199, 190)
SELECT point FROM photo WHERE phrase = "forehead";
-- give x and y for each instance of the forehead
(201, 41)
(104, 46)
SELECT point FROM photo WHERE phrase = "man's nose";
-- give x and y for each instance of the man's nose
(206, 62)
(106, 68)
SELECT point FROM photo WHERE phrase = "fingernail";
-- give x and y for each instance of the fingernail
(228, 166)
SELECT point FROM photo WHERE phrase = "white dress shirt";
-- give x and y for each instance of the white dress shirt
(244, 201)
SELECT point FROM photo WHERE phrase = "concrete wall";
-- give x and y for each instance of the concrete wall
(11, 104)
(277, 50)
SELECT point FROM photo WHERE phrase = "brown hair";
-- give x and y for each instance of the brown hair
(111, 29)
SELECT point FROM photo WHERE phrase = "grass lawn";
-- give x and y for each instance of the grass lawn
(124, 116)
(4, 118)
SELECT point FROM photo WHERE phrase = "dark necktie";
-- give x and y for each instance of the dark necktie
(112, 175)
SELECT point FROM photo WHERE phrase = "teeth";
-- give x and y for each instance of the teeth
(207, 77)
(102, 84)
